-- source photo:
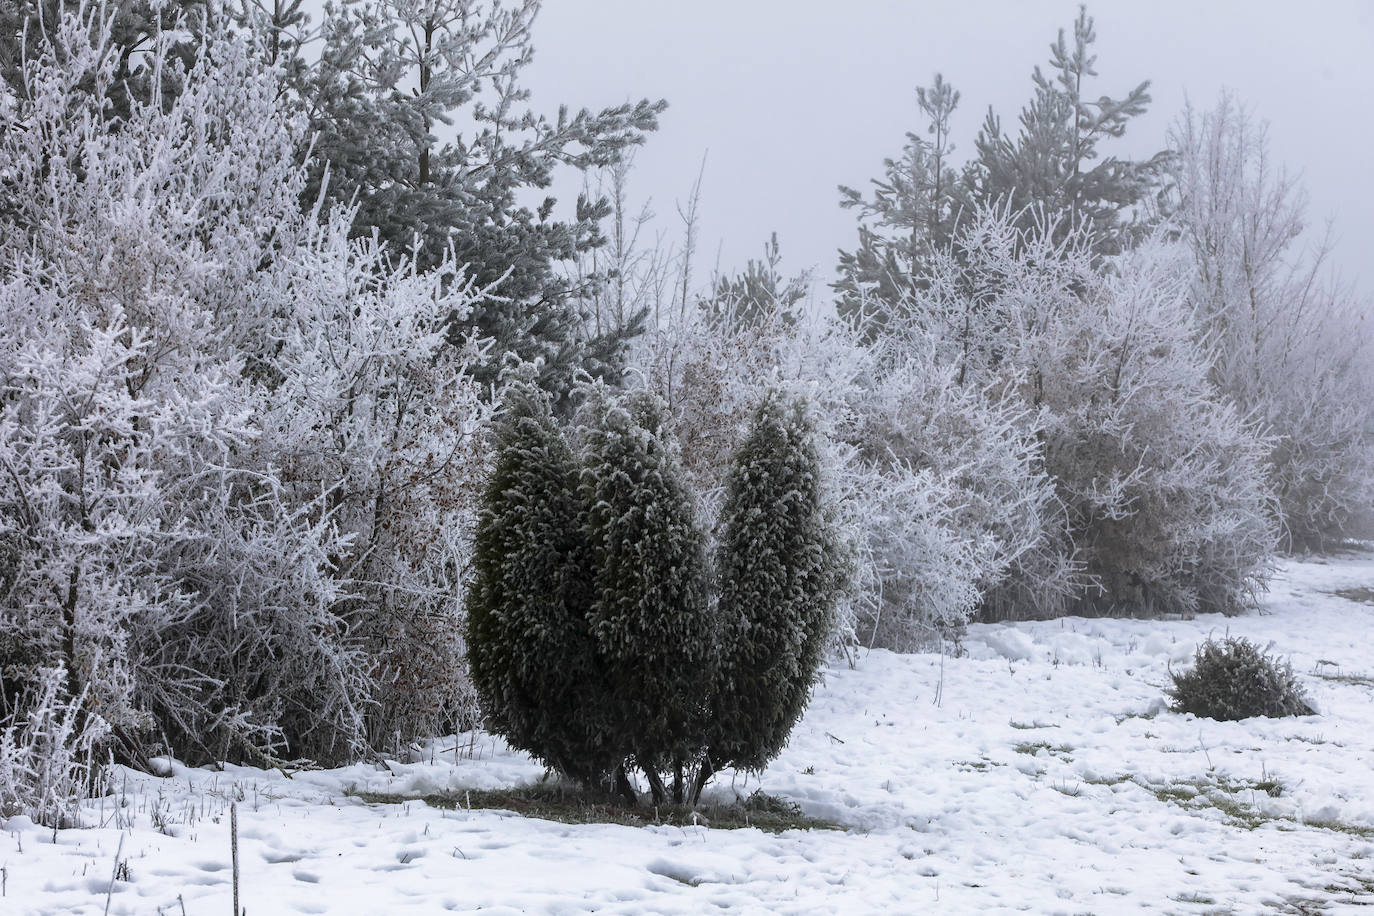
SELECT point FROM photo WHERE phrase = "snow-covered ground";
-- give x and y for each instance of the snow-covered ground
(1039, 773)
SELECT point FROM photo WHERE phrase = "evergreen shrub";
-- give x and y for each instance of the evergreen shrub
(1235, 679)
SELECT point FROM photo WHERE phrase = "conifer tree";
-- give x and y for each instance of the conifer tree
(758, 295)
(779, 583)
(910, 216)
(653, 623)
(1050, 171)
(530, 651)
(393, 76)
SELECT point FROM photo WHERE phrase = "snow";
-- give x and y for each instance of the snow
(1040, 772)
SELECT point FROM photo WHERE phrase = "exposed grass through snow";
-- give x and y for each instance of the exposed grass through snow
(575, 806)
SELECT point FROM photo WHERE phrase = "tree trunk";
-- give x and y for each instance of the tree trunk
(622, 785)
(703, 776)
(656, 786)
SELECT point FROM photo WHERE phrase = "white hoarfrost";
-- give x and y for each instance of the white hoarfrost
(237, 459)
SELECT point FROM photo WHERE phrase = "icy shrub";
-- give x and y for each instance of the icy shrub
(780, 575)
(1163, 481)
(46, 751)
(1235, 679)
(1165, 503)
(960, 511)
(239, 451)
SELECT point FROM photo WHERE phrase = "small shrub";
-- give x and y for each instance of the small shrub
(47, 752)
(1235, 679)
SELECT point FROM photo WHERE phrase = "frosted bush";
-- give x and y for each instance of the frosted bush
(47, 752)
(240, 459)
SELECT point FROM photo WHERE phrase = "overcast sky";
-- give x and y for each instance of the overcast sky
(790, 98)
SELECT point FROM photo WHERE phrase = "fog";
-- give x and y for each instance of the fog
(787, 100)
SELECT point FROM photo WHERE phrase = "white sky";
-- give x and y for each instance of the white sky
(794, 97)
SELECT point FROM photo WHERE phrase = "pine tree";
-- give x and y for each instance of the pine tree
(134, 26)
(779, 582)
(393, 74)
(1049, 172)
(757, 296)
(911, 215)
(653, 623)
(530, 650)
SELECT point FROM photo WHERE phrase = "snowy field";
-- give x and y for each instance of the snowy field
(1039, 773)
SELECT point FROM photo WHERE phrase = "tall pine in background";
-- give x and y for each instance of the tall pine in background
(419, 116)
(910, 216)
(1051, 170)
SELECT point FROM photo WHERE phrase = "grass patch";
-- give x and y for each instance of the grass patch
(1351, 829)
(566, 805)
(1360, 680)
(1032, 748)
(1221, 794)
(1107, 780)
(1195, 898)
(1358, 595)
(979, 765)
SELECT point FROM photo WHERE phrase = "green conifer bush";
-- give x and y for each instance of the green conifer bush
(1236, 679)
(651, 616)
(778, 586)
(595, 639)
(532, 656)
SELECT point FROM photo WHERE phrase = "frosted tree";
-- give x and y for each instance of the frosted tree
(1051, 169)
(373, 410)
(127, 281)
(421, 119)
(1162, 480)
(229, 433)
(911, 214)
(960, 501)
(1286, 341)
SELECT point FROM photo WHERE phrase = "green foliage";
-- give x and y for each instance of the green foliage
(654, 625)
(1235, 679)
(531, 654)
(911, 215)
(779, 582)
(391, 74)
(1050, 171)
(594, 640)
(758, 295)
